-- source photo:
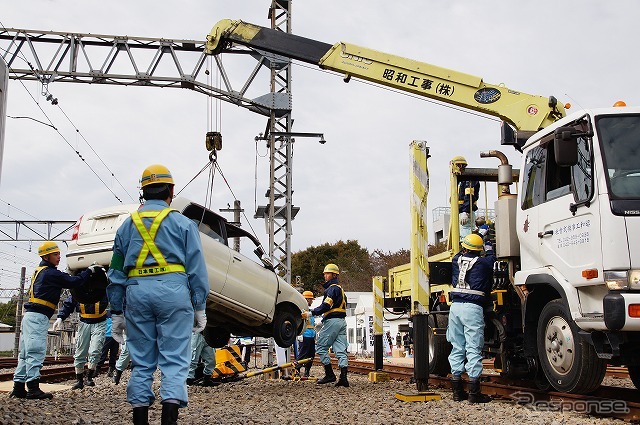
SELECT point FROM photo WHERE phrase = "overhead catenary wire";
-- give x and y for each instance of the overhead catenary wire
(50, 124)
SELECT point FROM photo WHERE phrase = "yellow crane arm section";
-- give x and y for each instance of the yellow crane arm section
(527, 113)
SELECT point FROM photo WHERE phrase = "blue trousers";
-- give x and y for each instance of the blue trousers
(159, 318)
(89, 342)
(199, 348)
(124, 359)
(33, 347)
(465, 332)
(333, 334)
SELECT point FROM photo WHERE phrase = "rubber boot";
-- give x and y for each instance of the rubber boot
(141, 415)
(89, 381)
(169, 414)
(307, 371)
(35, 393)
(329, 376)
(303, 372)
(208, 381)
(342, 382)
(80, 382)
(475, 396)
(116, 376)
(18, 390)
(459, 394)
(110, 371)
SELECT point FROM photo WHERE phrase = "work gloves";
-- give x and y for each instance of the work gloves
(57, 324)
(464, 218)
(200, 321)
(305, 314)
(95, 267)
(118, 326)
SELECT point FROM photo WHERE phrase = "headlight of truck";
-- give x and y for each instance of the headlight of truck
(618, 280)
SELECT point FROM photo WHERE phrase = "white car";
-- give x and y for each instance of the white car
(245, 298)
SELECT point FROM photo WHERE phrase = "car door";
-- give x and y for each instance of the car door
(216, 253)
(252, 284)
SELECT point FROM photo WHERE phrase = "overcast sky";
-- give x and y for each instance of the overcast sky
(356, 186)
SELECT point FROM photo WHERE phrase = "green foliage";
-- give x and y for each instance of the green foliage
(8, 313)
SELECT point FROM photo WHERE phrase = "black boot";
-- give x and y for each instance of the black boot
(329, 376)
(80, 382)
(342, 382)
(18, 390)
(89, 381)
(116, 376)
(141, 415)
(169, 414)
(459, 393)
(208, 381)
(35, 393)
(110, 371)
(475, 396)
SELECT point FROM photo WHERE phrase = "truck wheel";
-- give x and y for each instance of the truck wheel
(216, 337)
(569, 362)
(285, 327)
(439, 347)
(634, 374)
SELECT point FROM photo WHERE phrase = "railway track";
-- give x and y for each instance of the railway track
(610, 402)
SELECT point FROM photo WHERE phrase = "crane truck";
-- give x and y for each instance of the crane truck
(566, 293)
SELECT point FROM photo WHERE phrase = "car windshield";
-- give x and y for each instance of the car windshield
(620, 140)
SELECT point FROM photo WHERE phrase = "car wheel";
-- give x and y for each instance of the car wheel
(634, 375)
(569, 362)
(285, 327)
(216, 337)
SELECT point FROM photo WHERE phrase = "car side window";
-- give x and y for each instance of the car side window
(208, 223)
(533, 181)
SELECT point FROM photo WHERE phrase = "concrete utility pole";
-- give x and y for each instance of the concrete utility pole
(236, 210)
(18, 327)
(4, 85)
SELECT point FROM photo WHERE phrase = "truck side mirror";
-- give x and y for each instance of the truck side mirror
(565, 146)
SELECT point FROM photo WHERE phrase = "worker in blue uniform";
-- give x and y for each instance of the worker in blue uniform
(472, 278)
(468, 193)
(333, 333)
(110, 349)
(122, 363)
(307, 349)
(158, 262)
(201, 350)
(47, 283)
(90, 337)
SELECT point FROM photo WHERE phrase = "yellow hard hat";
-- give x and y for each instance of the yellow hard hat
(331, 268)
(473, 242)
(459, 160)
(47, 247)
(154, 174)
(308, 295)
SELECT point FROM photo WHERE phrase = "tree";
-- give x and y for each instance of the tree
(8, 313)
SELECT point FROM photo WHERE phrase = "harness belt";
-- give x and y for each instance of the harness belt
(462, 287)
(95, 315)
(32, 298)
(149, 246)
(343, 304)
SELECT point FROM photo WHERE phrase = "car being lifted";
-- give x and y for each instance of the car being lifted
(245, 298)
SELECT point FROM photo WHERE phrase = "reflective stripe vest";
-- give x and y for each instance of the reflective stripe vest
(462, 287)
(84, 308)
(32, 298)
(342, 308)
(149, 246)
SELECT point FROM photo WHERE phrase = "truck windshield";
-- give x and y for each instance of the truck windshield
(620, 140)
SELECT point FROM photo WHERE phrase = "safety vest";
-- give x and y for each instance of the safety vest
(149, 245)
(32, 298)
(342, 308)
(462, 287)
(96, 311)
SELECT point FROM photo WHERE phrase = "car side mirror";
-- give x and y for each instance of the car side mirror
(565, 146)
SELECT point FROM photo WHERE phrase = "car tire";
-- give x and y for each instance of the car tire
(285, 327)
(216, 337)
(569, 362)
(439, 347)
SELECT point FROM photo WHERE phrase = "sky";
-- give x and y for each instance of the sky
(354, 187)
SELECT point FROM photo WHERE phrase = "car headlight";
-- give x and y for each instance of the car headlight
(627, 279)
